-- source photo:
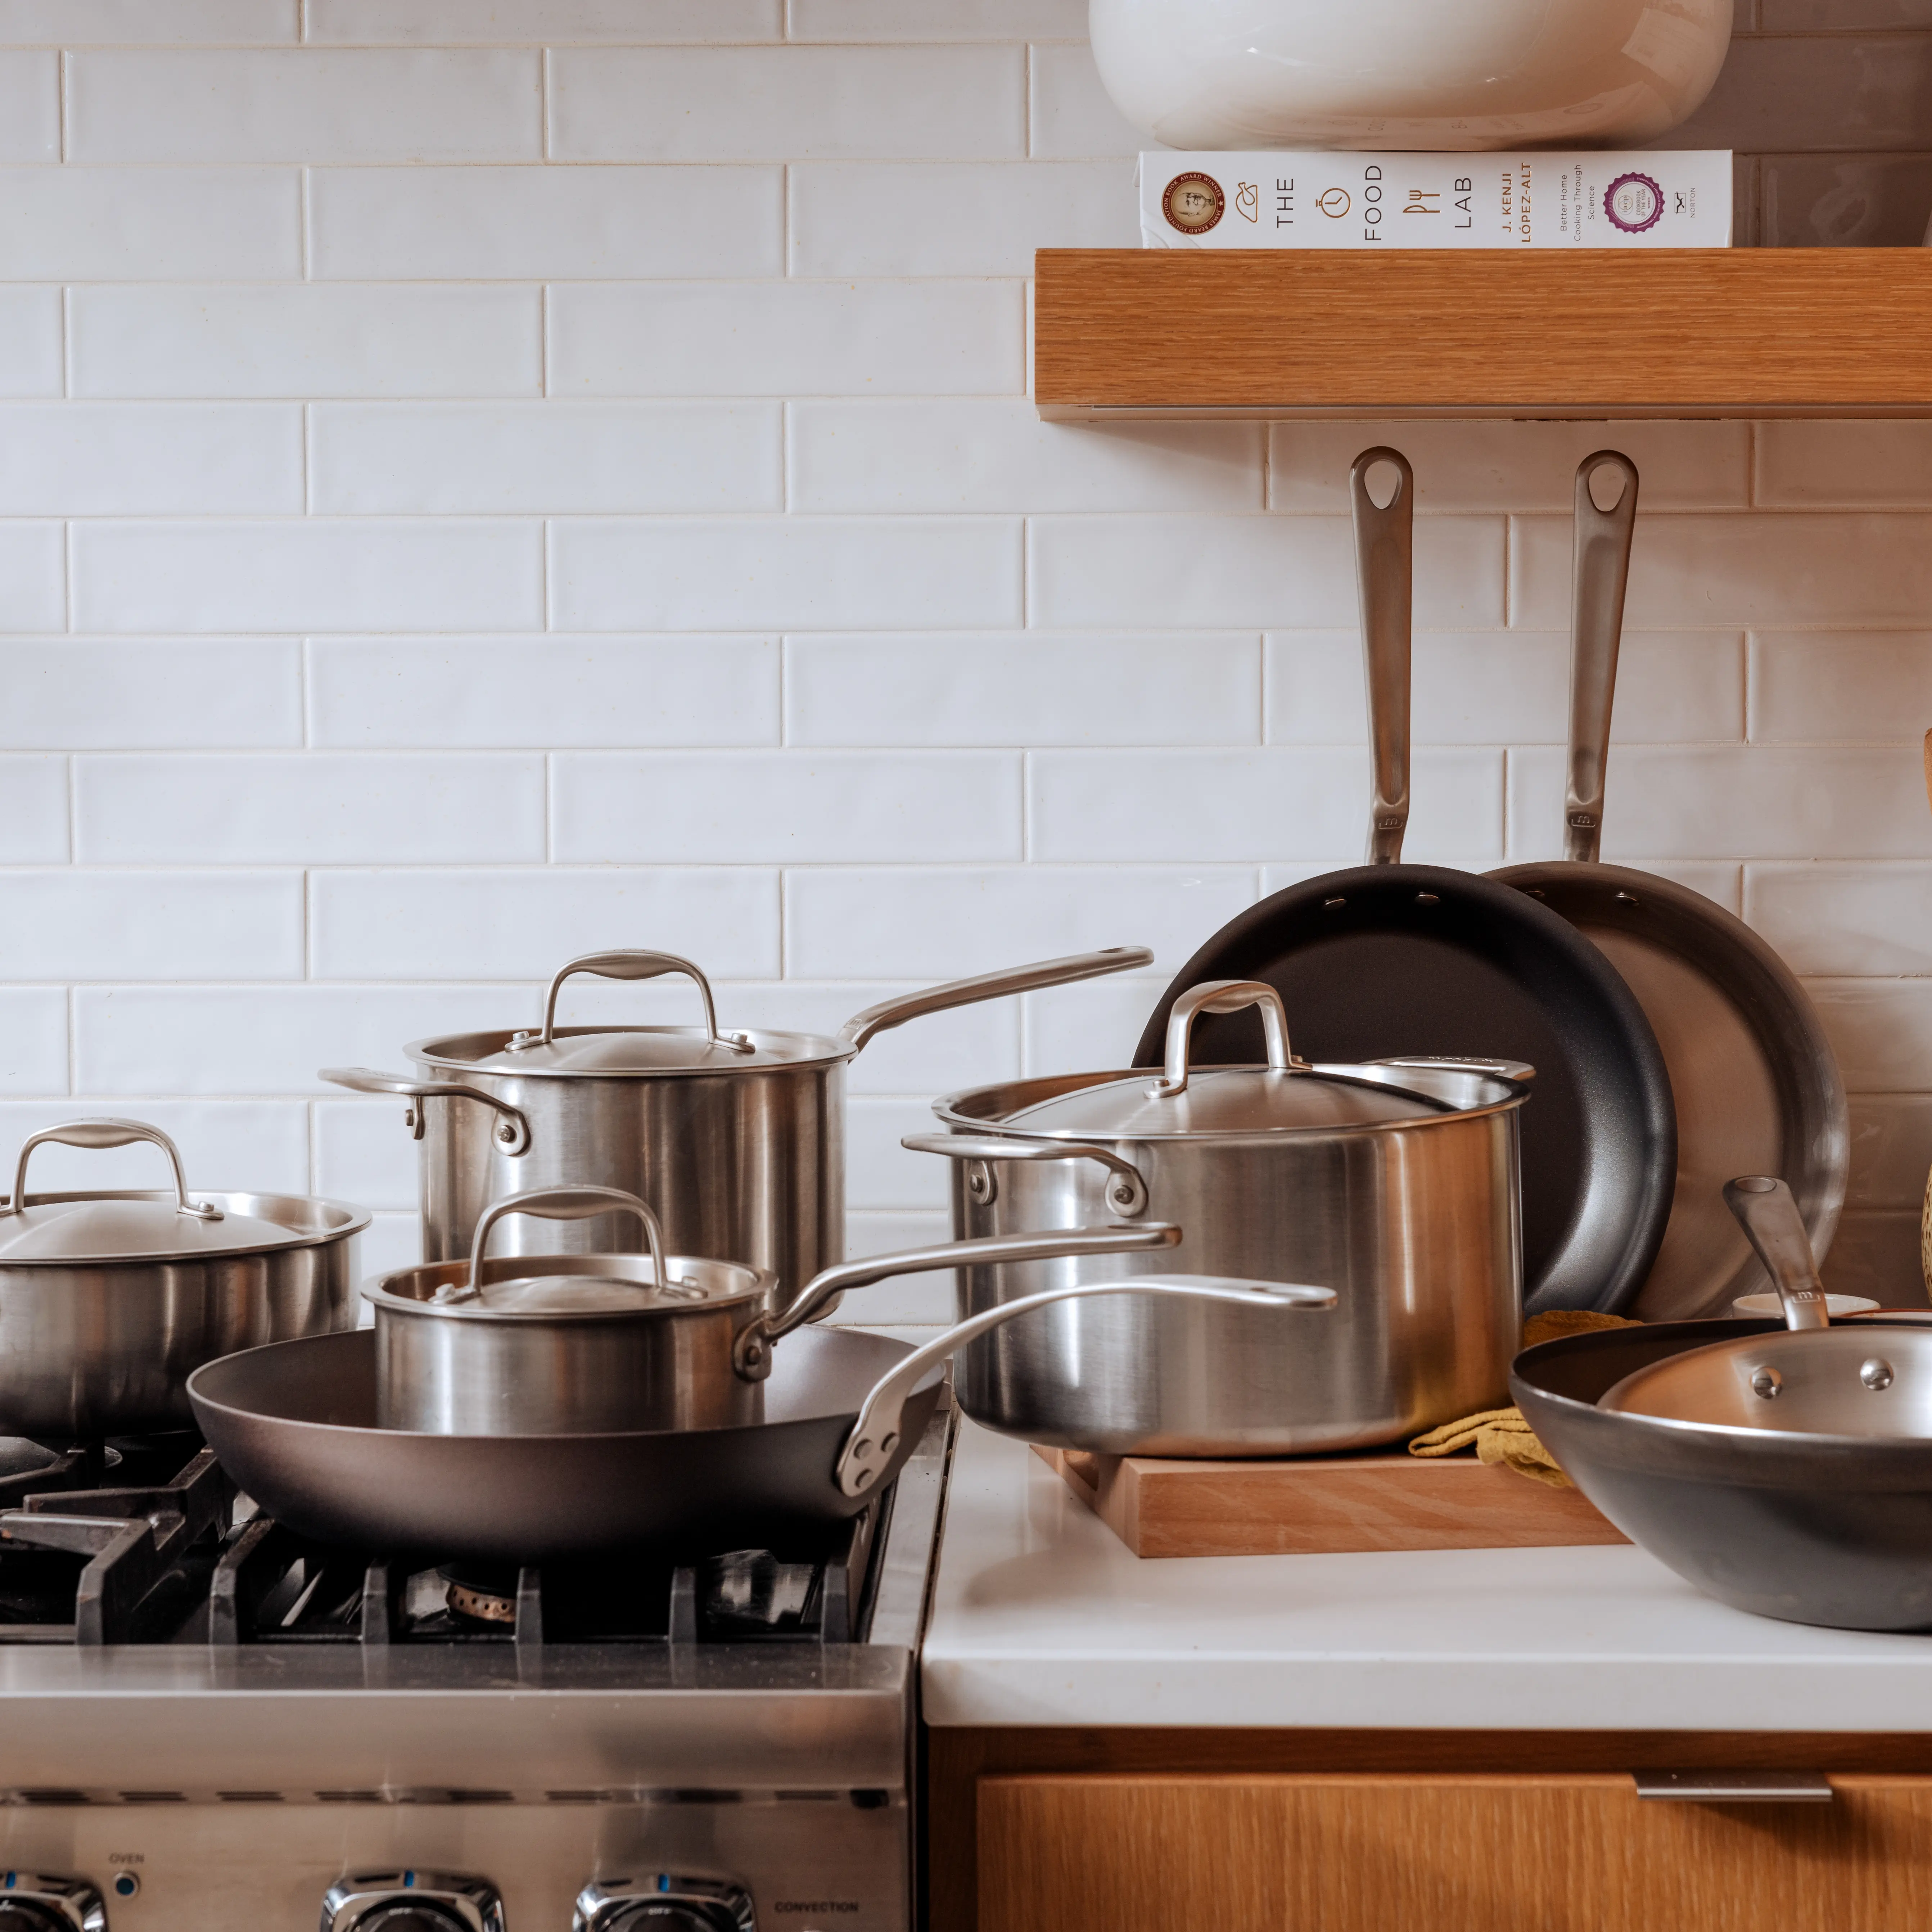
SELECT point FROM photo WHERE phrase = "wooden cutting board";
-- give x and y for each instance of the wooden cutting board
(1325, 1504)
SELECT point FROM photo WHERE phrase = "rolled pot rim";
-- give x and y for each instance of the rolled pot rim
(379, 1293)
(353, 1220)
(462, 1053)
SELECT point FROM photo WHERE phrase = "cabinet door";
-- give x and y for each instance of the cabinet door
(1444, 1854)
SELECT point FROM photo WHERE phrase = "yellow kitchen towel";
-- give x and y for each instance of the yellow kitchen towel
(1501, 1435)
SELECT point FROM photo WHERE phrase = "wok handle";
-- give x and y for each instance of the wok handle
(1599, 576)
(513, 1128)
(889, 1013)
(1385, 580)
(107, 1132)
(1222, 996)
(629, 963)
(1767, 1213)
(1126, 1191)
(561, 1204)
(868, 1448)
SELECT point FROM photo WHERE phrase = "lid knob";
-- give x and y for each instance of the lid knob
(1222, 996)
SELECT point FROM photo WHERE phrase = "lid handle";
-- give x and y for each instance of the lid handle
(1600, 574)
(1222, 996)
(109, 1133)
(559, 1204)
(630, 965)
(1385, 576)
(1767, 1213)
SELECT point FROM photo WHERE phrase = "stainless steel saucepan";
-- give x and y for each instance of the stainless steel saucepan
(738, 1138)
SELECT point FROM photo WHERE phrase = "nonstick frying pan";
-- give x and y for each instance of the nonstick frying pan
(1756, 1087)
(1386, 959)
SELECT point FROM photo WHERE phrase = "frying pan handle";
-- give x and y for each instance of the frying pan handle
(1768, 1215)
(889, 1013)
(1126, 1191)
(561, 1204)
(629, 963)
(1385, 577)
(108, 1133)
(513, 1128)
(1600, 575)
(867, 1453)
(1222, 996)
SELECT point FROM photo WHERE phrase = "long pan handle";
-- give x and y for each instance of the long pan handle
(861, 1027)
(1768, 1213)
(1384, 575)
(1600, 575)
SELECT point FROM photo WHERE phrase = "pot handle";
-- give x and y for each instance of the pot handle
(889, 1013)
(1126, 1191)
(513, 1130)
(1222, 996)
(1385, 577)
(1460, 1063)
(108, 1133)
(1600, 574)
(868, 1449)
(629, 965)
(561, 1204)
(1767, 1213)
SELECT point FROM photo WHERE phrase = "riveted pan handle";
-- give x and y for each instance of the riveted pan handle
(1600, 574)
(1768, 1214)
(1385, 579)
(630, 963)
(1126, 1191)
(560, 1204)
(108, 1132)
(1222, 996)
(889, 1013)
(513, 1128)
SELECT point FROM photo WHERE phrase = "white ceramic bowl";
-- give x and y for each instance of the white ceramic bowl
(1767, 1306)
(1457, 74)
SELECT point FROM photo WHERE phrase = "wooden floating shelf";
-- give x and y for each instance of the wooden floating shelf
(1751, 333)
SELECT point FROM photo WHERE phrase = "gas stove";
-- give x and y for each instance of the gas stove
(207, 1722)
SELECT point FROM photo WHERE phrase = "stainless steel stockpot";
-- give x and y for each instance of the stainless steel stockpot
(1394, 1182)
(737, 1139)
(109, 1301)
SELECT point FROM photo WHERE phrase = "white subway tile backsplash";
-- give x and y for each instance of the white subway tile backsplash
(512, 223)
(937, 19)
(33, 811)
(416, 459)
(807, 572)
(304, 575)
(1881, 1030)
(31, 354)
(1826, 688)
(363, 1151)
(787, 103)
(310, 104)
(370, 22)
(788, 338)
(71, 23)
(1094, 1027)
(490, 693)
(322, 807)
(881, 1174)
(306, 340)
(1854, 465)
(1068, 113)
(76, 695)
(487, 925)
(30, 116)
(1844, 919)
(775, 807)
(1891, 1150)
(33, 1024)
(78, 923)
(127, 459)
(137, 224)
(997, 455)
(257, 1146)
(33, 576)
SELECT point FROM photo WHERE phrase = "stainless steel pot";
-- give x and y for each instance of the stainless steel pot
(738, 1138)
(109, 1301)
(1395, 1183)
(575, 1345)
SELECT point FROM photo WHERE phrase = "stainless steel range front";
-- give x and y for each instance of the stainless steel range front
(208, 1726)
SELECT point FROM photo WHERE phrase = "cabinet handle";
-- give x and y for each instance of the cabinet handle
(1735, 1787)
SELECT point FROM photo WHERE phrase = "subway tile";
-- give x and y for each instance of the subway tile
(33, 576)
(33, 811)
(77, 923)
(1844, 919)
(552, 693)
(308, 339)
(495, 925)
(772, 808)
(255, 1146)
(807, 573)
(303, 575)
(554, 223)
(1881, 1030)
(1844, 465)
(1235, 571)
(1876, 1256)
(1845, 201)
(1206, 807)
(415, 459)
(1891, 1150)
(1756, 802)
(391, 1241)
(1794, 568)
(919, 1301)
(321, 809)
(1512, 465)
(77, 694)
(788, 339)
(1810, 687)
(955, 218)
(552, 23)
(938, 20)
(1068, 113)
(34, 1029)
(76, 23)
(1507, 687)
(997, 455)
(128, 459)
(310, 104)
(791, 104)
(947, 923)
(364, 1153)
(1202, 689)
(142, 224)
(30, 129)
(1095, 1027)
(1805, 93)
(881, 1174)
(31, 354)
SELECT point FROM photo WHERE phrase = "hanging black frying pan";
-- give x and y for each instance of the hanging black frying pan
(1756, 1087)
(1386, 959)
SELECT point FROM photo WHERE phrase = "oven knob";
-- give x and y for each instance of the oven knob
(38, 1902)
(664, 1902)
(411, 1901)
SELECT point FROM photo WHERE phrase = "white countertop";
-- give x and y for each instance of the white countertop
(1042, 1617)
